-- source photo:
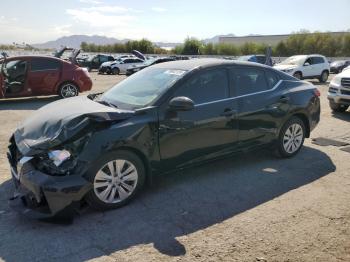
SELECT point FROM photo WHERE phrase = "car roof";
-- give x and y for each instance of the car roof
(188, 65)
(26, 57)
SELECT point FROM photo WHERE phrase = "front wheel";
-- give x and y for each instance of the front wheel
(116, 178)
(337, 107)
(68, 90)
(298, 75)
(324, 76)
(291, 137)
(115, 71)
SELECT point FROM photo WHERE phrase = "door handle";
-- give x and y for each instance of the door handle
(229, 112)
(284, 99)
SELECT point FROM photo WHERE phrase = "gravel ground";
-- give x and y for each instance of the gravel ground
(251, 207)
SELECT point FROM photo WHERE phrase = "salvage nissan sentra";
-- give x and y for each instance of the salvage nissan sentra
(101, 148)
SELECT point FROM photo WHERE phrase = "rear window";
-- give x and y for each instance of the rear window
(248, 80)
(44, 64)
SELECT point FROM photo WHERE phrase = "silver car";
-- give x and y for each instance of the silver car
(119, 66)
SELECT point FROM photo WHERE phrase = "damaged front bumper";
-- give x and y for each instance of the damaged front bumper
(39, 195)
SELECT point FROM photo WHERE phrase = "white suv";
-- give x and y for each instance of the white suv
(306, 66)
(339, 91)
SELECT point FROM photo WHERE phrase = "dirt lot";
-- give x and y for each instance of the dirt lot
(251, 207)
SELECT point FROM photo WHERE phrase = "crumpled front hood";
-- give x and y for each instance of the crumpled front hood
(56, 122)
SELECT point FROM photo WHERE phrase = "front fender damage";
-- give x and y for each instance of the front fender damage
(39, 195)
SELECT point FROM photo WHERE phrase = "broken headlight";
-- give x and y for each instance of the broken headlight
(56, 162)
(59, 156)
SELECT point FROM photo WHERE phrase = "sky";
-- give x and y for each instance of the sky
(34, 21)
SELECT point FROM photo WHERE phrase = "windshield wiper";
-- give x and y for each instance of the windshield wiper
(106, 103)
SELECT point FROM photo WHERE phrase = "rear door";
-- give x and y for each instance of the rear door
(209, 130)
(43, 75)
(318, 65)
(261, 104)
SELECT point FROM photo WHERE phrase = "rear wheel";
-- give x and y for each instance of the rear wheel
(338, 107)
(291, 138)
(297, 75)
(115, 71)
(68, 90)
(116, 178)
(324, 76)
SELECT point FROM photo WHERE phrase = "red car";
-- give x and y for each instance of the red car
(24, 76)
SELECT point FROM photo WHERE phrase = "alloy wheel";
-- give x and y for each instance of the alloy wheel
(69, 90)
(293, 138)
(115, 181)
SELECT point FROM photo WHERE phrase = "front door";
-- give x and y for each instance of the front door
(15, 82)
(308, 68)
(209, 130)
(43, 75)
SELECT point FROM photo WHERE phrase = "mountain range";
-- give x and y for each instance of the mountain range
(74, 41)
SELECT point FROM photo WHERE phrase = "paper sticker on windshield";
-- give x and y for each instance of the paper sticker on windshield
(174, 72)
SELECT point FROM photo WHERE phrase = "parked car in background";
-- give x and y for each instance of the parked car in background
(339, 65)
(23, 76)
(120, 66)
(168, 116)
(94, 62)
(148, 63)
(261, 59)
(339, 92)
(306, 67)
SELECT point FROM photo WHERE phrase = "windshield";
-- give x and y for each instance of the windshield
(294, 60)
(142, 88)
(244, 58)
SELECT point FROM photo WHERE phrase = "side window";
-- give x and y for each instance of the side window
(317, 60)
(128, 61)
(110, 58)
(103, 59)
(248, 80)
(15, 69)
(138, 61)
(308, 61)
(207, 86)
(261, 59)
(272, 78)
(95, 60)
(44, 65)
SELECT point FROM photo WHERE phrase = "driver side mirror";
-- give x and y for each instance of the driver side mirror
(306, 64)
(181, 103)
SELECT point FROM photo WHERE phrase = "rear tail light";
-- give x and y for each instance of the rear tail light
(317, 92)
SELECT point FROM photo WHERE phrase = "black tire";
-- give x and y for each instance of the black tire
(67, 90)
(280, 150)
(115, 71)
(298, 75)
(338, 107)
(93, 200)
(324, 76)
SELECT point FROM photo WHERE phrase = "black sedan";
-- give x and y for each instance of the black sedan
(102, 148)
(135, 69)
(338, 66)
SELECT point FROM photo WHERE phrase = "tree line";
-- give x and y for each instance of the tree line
(298, 43)
(144, 46)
